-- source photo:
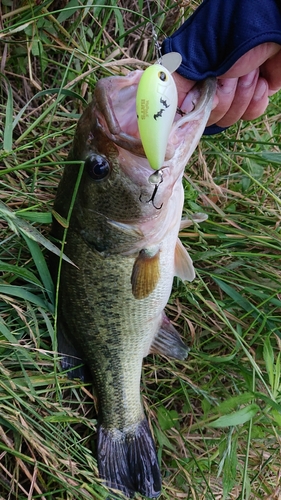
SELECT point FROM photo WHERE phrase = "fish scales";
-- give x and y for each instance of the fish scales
(125, 245)
(124, 325)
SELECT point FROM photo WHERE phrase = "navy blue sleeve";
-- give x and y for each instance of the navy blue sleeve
(219, 32)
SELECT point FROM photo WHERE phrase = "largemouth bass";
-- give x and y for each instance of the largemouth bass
(123, 238)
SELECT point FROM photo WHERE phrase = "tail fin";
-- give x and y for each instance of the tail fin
(128, 461)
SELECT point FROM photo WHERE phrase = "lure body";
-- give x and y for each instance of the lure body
(156, 104)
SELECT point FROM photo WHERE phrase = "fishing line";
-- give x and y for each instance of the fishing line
(172, 60)
(154, 35)
(169, 58)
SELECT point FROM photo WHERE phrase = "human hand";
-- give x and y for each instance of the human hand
(242, 92)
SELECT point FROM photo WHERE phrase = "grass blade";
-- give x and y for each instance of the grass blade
(8, 127)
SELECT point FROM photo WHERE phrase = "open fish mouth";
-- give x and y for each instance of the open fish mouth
(117, 113)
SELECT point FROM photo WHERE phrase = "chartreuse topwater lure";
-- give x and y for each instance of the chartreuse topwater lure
(156, 105)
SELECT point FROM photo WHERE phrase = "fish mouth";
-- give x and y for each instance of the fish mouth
(116, 98)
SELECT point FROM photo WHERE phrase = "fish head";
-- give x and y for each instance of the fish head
(118, 188)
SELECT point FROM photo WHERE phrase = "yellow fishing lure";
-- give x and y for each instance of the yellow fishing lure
(156, 104)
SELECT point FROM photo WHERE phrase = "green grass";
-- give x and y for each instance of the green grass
(216, 417)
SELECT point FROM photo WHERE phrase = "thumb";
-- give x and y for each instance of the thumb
(183, 87)
(185, 99)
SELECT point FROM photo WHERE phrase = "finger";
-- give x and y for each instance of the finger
(252, 59)
(259, 101)
(271, 71)
(225, 93)
(245, 90)
(183, 86)
(186, 94)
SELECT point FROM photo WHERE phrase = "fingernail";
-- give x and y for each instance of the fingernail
(227, 85)
(260, 90)
(247, 80)
(188, 103)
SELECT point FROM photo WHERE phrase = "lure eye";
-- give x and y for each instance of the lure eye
(97, 167)
(162, 76)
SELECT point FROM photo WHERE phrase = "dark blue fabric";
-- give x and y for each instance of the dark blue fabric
(221, 31)
(213, 129)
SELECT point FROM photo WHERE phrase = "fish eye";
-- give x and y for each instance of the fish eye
(162, 76)
(97, 167)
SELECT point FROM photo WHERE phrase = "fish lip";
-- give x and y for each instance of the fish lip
(110, 93)
(117, 117)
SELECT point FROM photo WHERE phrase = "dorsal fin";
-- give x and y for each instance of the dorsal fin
(183, 264)
(145, 274)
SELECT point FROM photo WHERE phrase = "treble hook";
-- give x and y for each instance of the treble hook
(154, 179)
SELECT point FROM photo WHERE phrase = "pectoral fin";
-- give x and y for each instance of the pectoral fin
(195, 218)
(168, 341)
(130, 229)
(70, 359)
(145, 274)
(183, 264)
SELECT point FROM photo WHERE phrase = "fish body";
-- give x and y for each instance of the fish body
(123, 238)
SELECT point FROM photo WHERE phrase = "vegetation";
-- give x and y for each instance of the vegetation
(216, 417)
